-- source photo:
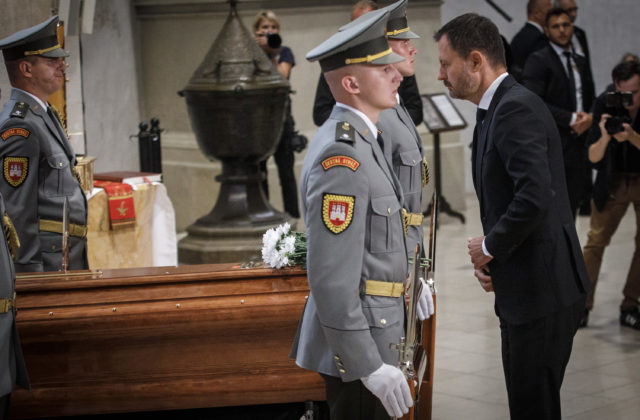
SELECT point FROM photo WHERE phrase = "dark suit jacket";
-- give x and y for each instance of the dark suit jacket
(518, 175)
(528, 40)
(582, 39)
(545, 75)
(408, 91)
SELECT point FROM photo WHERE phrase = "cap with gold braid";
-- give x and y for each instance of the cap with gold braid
(397, 25)
(40, 39)
(363, 42)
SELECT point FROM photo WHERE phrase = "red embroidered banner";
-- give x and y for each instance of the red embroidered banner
(122, 212)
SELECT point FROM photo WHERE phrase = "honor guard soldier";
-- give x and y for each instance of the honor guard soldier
(402, 143)
(37, 158)
(12, 368)
(356, 253)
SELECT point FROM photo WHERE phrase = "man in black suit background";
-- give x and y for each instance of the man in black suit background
(580, 46)
(530, 255)
(531, 37)
(564, 83)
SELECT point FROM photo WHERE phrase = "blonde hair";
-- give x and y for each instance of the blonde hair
(265, 15)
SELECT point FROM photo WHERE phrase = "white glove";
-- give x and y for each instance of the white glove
(390, 386)
(425, 303)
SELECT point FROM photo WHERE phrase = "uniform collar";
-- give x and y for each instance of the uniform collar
(42, 104)
(370, 124)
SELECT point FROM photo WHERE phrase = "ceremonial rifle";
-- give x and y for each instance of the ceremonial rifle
(65, 235)
(416, 348)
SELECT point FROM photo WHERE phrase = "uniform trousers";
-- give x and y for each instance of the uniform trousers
(534, 358)
(4, 406)
(352, 401)
(626, 190)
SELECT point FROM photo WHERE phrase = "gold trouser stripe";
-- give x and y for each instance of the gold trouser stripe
(44, 50)
(6, 304)
(54, 226)
(384, 288)
(368, 58)
(397, 31)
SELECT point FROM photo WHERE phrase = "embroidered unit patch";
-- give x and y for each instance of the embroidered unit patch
(347, 161)
(14, 132)
(337, 211)
(15, 170)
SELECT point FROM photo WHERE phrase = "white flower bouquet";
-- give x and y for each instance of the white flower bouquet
(281, 247)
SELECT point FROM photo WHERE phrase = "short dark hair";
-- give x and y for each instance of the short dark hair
(625, 71)
(474, 32)
(555, 11)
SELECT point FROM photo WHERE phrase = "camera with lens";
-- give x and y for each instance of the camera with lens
(273, 40)
(298, 142)
(617, 103)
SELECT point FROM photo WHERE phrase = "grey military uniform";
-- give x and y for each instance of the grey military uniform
(38, 174)
(351, 204)
(12, 367)
(403, 149)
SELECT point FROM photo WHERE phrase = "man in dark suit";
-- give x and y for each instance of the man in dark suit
(564, 83)
(530, 255)
(531, 37)
(580, 46)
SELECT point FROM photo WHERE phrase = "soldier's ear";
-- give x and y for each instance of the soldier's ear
(350, 84)
(25, 68)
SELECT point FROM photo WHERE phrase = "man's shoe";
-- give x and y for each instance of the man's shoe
(630, 318)
(585, 319)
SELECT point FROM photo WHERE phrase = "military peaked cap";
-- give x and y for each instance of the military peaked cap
(397, 25)
(40, 39)
(363, 42)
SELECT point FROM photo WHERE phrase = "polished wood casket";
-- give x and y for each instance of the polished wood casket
(165, 338)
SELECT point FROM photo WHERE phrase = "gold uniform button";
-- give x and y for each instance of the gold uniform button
(342, 371)
(60, 164)
(383, 321)
(389, 210)
(336, 357)
(414, 161)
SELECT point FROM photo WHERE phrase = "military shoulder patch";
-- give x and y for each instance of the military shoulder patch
(15, 170)
(10, 132)
(337, 211)
(347, 161)
(345, 132)
(20, 109)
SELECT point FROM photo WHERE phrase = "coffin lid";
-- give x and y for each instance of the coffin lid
(235, 62)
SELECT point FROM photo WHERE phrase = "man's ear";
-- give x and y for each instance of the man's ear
(350, 84)
(25, 68)
(476, 59)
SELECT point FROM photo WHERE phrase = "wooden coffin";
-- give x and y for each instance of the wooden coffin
(162, 338)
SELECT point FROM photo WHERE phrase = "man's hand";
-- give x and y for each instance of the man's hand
(582, 123)
(390, 386)
(478, 257)
(483, 276)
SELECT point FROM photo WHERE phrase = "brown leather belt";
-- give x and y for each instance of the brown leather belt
(6, 304)
(54, 226)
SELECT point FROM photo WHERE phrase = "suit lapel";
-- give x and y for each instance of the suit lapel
(482, 142)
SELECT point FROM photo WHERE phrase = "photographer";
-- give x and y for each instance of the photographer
(615, 152)
(266, 28)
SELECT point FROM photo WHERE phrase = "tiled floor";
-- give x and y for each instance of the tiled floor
(603, 376)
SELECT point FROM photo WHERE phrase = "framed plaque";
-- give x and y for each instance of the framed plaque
(440, 113)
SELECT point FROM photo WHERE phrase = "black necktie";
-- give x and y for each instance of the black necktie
(480, 114)
(380, 142)
(572, 80)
